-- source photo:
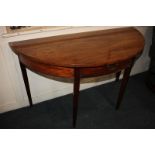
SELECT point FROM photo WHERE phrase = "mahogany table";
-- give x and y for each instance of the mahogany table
(80, 55)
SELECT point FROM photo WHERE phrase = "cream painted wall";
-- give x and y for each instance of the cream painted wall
(12, 91)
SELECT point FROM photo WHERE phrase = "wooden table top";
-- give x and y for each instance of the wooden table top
(86, 49)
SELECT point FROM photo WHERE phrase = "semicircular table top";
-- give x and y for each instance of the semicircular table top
(86, 49)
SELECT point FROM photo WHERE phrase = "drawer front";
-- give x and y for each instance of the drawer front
(107, 69)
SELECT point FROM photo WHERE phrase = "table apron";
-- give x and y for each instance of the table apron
(65, 72)
(47, 69)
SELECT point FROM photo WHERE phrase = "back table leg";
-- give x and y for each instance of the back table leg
(118, 75)
(25, 78)
(123, 85)
(76, 94)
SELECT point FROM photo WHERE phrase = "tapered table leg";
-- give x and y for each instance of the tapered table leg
(117, 76)
(123, 86)
(76, 94)
(25, 78)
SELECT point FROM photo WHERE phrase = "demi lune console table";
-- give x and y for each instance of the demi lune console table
(80, 55)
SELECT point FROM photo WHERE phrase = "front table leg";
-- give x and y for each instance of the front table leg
(123, 85)
(25, 78)
(76, 94)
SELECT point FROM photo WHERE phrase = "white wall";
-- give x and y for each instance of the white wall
(12, 90)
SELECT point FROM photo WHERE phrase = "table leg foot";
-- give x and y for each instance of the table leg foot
(26, 81)
(117, 76)
(76, 95)
(123, 86)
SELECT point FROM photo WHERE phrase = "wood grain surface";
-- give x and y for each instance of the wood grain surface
(87, 49)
